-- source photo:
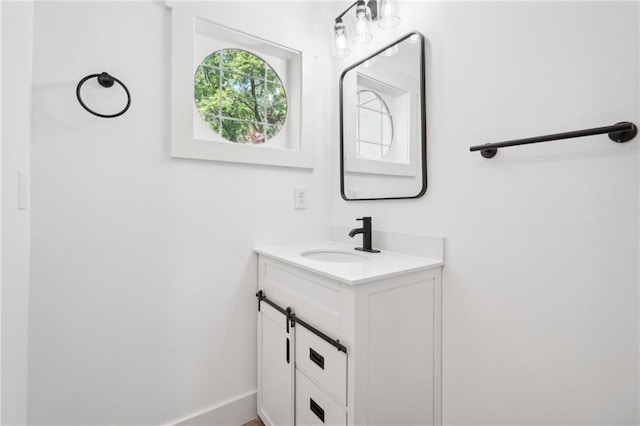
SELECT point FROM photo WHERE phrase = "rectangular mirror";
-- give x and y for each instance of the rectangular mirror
(383, 136)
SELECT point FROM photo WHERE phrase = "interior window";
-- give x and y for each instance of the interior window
(240, 96)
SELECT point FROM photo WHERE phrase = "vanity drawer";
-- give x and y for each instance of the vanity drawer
(322, 362)
(314, 406)
(316, 299)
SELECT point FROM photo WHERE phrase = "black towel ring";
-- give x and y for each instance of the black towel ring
(105, 80)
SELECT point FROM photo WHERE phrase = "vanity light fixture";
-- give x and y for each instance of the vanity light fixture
(388, 18)
(365, 12)
(362, 34)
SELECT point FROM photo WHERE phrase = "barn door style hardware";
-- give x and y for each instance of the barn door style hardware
(619, 132)
(292, 320)
(286, 312)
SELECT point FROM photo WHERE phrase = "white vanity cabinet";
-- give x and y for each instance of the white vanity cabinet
(363, 344)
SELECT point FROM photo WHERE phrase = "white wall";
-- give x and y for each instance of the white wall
(540, 295)
(143, 278)
(17, 48)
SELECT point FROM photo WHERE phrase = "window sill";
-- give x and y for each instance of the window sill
(357, 165)
(240, 153)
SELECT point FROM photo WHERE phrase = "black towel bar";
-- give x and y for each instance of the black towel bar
(620, 132)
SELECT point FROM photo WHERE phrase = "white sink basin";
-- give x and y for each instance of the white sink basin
(333, 256)
(340, 262)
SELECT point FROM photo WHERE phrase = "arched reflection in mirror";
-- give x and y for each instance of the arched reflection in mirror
(374, 129)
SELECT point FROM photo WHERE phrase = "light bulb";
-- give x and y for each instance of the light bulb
(340, 40)
(388, 18)
(362, 35)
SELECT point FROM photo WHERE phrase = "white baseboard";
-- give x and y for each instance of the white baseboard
(233, 412)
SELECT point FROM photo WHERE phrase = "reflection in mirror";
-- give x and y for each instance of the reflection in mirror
(374, 128)
(382, 124)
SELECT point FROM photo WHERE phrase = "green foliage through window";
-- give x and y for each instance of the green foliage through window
(240, 96)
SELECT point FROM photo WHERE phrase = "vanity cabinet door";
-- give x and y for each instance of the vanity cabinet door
(275, 368)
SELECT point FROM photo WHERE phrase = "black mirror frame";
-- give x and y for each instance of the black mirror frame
(423, 118)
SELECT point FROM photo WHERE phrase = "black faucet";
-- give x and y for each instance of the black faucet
(366, 235)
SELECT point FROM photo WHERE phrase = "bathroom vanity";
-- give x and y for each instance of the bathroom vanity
(348, 338)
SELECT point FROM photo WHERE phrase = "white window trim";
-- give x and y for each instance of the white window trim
(183, 142)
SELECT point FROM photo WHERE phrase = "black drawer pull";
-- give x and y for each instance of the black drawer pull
(288, 352)
(317, 410)
(316, 358)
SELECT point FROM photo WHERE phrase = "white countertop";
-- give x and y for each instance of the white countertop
(373, 267)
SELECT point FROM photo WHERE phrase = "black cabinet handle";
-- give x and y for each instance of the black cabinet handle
(288, 352)
(317, 410)
(316, 358)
